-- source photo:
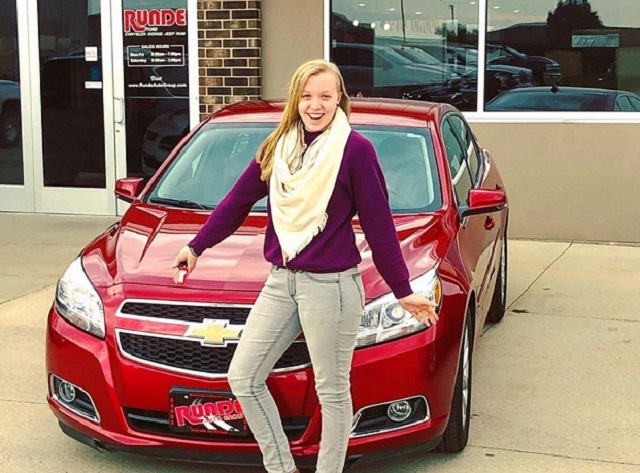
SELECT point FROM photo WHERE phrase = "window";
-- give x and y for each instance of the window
(578, 53)
(543, 55)
(210, 164)
(407, 160)
(467, 142)
(418, 49)
(458, 168)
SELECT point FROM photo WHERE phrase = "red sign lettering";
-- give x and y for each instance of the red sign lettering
(196, 413)
(138, 20)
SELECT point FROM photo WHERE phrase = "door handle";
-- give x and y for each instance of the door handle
(489, 223)
(119, 117)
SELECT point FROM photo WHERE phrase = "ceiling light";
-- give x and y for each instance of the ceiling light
(418, 13)
(362, 4)
(373, 24)
(472, 3)
(496, 7)
(391, 9)
(386, 26)
(516, 11)
(355, 23)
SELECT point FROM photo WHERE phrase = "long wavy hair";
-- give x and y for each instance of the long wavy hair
(291, 117)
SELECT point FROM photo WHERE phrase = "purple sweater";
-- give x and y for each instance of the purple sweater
(360, 188)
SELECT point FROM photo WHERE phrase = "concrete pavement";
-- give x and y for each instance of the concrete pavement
(555, 384)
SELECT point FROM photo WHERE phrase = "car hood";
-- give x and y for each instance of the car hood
(141, 248)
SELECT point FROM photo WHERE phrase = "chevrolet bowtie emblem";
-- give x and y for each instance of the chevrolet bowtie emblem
(215, 332)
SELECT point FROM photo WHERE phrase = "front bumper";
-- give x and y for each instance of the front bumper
(117, 384)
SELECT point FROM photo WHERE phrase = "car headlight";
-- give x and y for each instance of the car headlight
(385, 319)
(78, 302)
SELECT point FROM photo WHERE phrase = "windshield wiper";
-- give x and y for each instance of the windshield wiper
(187, 204)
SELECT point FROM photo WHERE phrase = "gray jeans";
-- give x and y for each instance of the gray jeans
(327, 308)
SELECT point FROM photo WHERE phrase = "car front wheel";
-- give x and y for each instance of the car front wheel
(456, 435)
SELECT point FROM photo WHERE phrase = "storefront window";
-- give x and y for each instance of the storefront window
(570, 55)
(156, 72)
(11, 163)
(416, 49)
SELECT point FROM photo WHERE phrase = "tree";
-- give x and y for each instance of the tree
(570, 15)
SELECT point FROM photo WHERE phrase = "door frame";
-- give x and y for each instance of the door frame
(21, 197)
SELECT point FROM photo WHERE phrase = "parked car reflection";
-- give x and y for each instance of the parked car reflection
(10, 124)
(565, 99)
(463, 93)
(162, 135)
(545, 71)
(374, 70)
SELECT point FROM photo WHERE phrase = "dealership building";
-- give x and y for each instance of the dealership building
(96, 90)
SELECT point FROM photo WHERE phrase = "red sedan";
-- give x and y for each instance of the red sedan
(136, 363)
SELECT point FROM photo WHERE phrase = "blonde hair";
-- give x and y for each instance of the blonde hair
(290, 116)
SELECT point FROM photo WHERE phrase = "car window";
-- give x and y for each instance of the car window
(407, 160)
(623, 104)
(467, 142)
(210, 163)
(460, 176)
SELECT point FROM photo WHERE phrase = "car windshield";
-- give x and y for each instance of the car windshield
(548, 101)
(211, 162)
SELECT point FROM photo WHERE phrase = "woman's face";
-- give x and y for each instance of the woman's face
(318, 101)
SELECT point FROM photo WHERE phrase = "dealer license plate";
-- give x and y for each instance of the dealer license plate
(205, 412)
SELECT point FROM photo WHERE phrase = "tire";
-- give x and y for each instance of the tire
(499, 298)
(456, 435)
(10, 127)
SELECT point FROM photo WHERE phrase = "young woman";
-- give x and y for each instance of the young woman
(317, 173)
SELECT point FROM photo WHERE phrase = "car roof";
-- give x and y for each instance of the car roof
(364, 111)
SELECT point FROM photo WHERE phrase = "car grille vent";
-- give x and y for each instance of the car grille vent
(193, 357)
(157, 422)
(186, 313)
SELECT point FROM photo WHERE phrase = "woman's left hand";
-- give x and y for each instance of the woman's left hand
(421, 308)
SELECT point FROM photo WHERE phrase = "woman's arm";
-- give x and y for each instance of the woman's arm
(232, 210)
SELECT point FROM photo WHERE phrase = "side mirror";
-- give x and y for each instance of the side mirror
(484, 201)
(128, 188)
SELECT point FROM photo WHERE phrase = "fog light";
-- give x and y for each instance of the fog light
(399, 411)
(67, 392)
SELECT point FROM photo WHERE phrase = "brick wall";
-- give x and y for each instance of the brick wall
(229, 52)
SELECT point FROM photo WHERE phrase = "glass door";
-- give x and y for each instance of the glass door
(152, 70)
(16, 169)
(73, 126)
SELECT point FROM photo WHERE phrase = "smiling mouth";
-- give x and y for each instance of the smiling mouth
(315, 116)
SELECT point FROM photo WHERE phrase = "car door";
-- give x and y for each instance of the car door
(478, 237)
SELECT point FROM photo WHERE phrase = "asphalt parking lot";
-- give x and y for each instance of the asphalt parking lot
(555, 385)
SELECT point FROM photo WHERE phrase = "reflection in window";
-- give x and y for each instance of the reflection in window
(418, 49)
(569, 48)
(11, 163)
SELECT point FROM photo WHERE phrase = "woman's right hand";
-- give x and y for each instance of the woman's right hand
(184, 257)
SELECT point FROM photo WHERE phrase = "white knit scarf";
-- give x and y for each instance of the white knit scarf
(301, 185)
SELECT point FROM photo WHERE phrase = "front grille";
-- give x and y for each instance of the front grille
(186, 355)
(157, 422)
(186, 313)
